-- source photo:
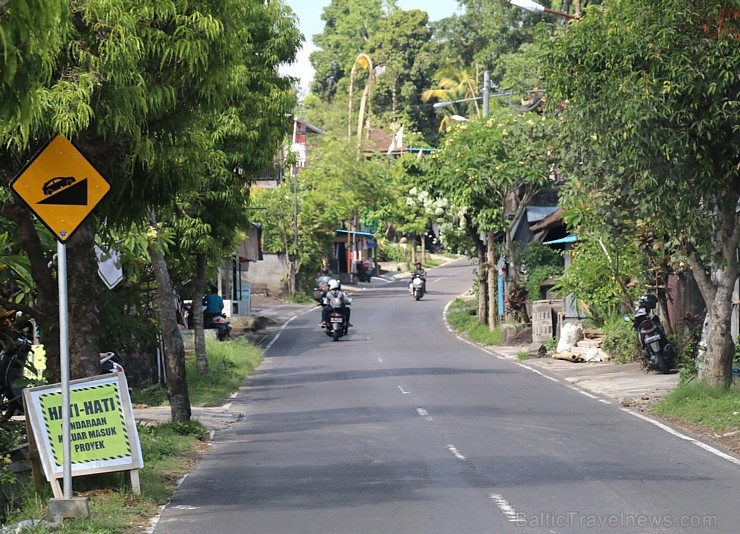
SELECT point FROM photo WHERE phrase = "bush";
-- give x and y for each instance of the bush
(620, 341)
(538, 263)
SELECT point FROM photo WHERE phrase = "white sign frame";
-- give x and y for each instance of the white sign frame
(43, 433)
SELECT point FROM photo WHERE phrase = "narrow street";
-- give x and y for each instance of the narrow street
(402, 427)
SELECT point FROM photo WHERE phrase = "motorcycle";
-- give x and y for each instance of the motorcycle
(656, 352)
(216, 322)
(338, 325)
(219, 322)
(364, 274)
(16, 343)
(417, 287)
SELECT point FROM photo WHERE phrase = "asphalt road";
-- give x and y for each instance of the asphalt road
(400, 427)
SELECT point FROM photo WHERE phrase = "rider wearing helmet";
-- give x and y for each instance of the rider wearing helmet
(335, 291)
(322, 285)
(420, 272)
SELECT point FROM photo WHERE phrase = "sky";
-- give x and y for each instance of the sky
(310, 23)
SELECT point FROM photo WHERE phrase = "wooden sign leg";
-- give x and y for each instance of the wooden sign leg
(56, 488)
(133, 476)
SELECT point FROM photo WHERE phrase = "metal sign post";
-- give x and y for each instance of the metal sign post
(61, 187)
(64, 355)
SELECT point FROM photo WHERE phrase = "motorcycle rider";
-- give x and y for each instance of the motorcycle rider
(214, 306)
(335, 291)
(322, 285)
(420, 272)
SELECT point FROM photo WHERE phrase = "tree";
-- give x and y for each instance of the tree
(32, 34)
(651, 95)
(131, 87)
(454, 85)
(492, 167)
(348, 27)
(338, 186)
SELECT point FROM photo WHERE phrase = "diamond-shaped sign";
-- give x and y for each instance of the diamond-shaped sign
(61, 187)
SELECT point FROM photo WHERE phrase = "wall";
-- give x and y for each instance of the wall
(268, 275)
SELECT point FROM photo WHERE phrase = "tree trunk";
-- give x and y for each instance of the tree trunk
(482, 278)
(46, 312)
(174, 349)
(716, 369)
(717, 366)
(199, 287)
(82, 283)
(491, 266)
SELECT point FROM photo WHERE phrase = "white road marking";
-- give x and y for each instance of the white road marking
(422, 412)
(506, 508)
(277, 336)
(455, 452)
(380, 360)
(678, 434)
(535, 371)
(403, 390)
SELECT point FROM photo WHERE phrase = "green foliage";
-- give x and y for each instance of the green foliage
(229, 363)
(620, 341)
(701, 403)
(31, 37)
(598, 278)
(648, 97)
(537, 276)
(597, 315)
(388, 251)
(538, 263)
(462, 315)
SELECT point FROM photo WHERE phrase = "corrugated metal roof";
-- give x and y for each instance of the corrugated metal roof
(566, 239)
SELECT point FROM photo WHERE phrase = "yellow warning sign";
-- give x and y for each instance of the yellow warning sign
(61, 187)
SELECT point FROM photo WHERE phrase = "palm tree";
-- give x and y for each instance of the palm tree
(453, 84)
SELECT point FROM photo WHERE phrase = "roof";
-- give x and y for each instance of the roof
(368, 234)
(536, 214)
(553, 219)
(310, 127)
(566, 239)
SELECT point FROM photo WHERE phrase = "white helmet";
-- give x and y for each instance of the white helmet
(333, 284)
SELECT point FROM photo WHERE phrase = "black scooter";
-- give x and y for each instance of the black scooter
(656, 352)
(15, 345)
(216, 322)
(364, 274)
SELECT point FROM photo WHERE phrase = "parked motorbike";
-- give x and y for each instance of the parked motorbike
(16, 340)
(656, 352)
(219, 322)
(417, 287)
(364, 274)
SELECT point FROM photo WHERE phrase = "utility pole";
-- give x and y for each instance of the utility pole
(490, 264)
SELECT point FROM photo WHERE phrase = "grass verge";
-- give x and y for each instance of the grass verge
(698, 403)
(170, 451)
(462, 315)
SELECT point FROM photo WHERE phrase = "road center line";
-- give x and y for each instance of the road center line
(455, 452)
(422, 412)
(506, 508)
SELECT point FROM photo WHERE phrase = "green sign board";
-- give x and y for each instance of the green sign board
(103, 432)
